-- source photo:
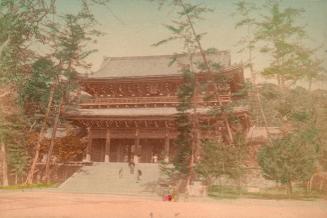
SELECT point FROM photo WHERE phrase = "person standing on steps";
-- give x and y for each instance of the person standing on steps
(136, 158)
(155, 158)
(139, 174)
(120, 173)
(131, 166)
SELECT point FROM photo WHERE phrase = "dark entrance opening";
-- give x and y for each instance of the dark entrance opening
(151, 150)
(121, 150)
(98, 150)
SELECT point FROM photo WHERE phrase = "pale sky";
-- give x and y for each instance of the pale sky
(131, 26)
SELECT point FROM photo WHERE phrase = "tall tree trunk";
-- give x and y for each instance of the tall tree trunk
(195, 141)
(30, 175)
(258, 97)
(209, 71)
(16, 178)
(289, 189)
(190, 174)
(229, 131)
(53, 138)
(4, 165)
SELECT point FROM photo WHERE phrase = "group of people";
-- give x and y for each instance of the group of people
(131, 165)
(136, 158)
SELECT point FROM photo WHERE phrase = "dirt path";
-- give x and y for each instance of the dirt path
(64, 205)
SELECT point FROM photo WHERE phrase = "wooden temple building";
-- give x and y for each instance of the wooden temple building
(130, 110)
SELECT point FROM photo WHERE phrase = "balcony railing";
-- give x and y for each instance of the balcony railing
(162, 101)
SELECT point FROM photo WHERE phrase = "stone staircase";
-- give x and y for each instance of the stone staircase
(104, 178)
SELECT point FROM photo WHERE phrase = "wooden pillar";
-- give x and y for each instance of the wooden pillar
(167, 145)
(119, 144)
(107, 150)
(137, 145)
(89, 145)
(129, 152)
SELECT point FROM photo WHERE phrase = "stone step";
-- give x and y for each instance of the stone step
(104, 178)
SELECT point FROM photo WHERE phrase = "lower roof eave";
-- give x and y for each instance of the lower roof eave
(136, 113)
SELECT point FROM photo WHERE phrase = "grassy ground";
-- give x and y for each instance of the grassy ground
(219, 192)
(228, 192)
(32, 186)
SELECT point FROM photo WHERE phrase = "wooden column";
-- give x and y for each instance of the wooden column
(167, 141)
(107, 150)
(137, 144)
(129, 153)
(89, 145)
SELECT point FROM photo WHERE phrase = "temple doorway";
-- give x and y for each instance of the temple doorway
(142, 150)
(98, 150)
(121, 150)
(147, 151)
(151, 150)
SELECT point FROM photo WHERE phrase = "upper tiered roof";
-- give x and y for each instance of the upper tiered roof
(160, 65)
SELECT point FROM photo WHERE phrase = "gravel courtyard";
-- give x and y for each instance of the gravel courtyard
(45, 204)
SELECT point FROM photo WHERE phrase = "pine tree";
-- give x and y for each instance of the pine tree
(282, 40)
(291, 159)
(12, 129)
(70, 42)
(188, 120)
(300, 115)
(24, 24)
(218, 160)
(184, 139)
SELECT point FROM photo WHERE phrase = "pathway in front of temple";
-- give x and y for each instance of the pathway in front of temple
(43, 204)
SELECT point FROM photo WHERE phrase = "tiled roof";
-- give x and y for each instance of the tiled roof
(152, 65)
(134, 112)
(129, 112)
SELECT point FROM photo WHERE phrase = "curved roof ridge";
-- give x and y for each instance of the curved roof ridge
(155, 56)
(152, 64)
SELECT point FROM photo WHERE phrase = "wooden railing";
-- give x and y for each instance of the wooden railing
(162, 101)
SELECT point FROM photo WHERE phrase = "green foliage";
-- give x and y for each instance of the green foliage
(24, 24)
(34, 94)
(221, 159)
(297, 106)
(32, 186)
(277, 34)
(188, 119)
(182, 27)
(186, 91)
(290, 159)
(18, 158)
(28, 71)
(276, 193)
(184, 123)
(294, 110)
(282, 39)
(19, 22)
(71, 39)
(245, 10)
(12, 136)
(218, 159)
